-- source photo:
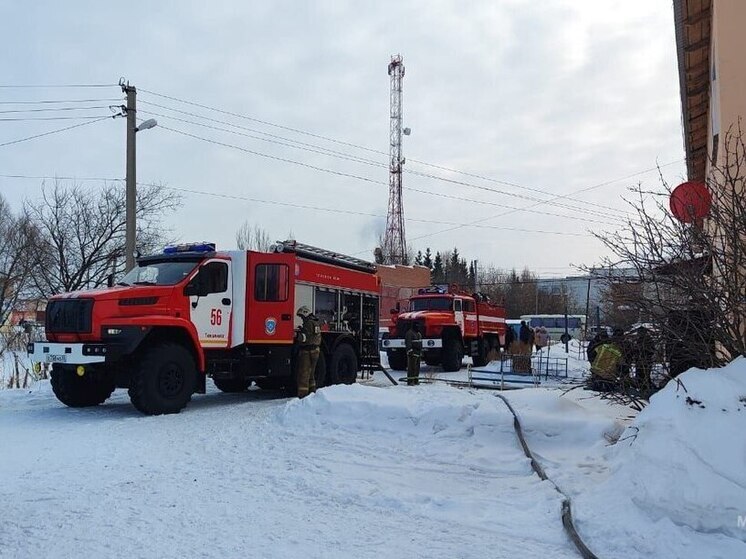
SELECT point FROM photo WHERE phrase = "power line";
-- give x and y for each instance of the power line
(267, 123)
(55, 86)
(110, 179)
(586, 189)
(581, 210)
(60, 177)
(301, 146)
(347, 212)
(59, 101)
(57, 131)
(325, 151)
(275, 157)
(32, 118)
(357, 146)
(54, 109)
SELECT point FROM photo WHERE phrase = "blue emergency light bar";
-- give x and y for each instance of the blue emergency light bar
(190, 247)
(432, 289)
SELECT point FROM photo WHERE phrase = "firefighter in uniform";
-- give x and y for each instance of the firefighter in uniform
(308, 337)
(413, 345)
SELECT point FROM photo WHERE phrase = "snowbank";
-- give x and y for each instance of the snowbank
(678, 474)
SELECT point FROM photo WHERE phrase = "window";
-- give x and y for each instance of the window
(326, 308)
(573, 323)
(271, 282)
(457, 305)
(431, 304)
(158, 273)
(469, 306)
(214, 276)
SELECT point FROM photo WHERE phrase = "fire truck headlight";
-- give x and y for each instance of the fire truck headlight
(430, 343)
(113, 331)
(386, 343)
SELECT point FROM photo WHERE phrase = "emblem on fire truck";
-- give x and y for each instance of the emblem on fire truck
(270, 325)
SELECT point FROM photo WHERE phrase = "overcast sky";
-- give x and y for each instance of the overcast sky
(555, 96)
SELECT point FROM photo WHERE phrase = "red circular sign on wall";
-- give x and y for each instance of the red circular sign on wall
(690, 201)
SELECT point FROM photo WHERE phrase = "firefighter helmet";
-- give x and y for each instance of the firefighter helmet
(303, 312)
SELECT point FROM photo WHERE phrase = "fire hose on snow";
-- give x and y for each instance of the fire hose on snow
(567, 521)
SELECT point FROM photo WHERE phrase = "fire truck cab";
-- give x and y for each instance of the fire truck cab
(193, 312)
(452, 323)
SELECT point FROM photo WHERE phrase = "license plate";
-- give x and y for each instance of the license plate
(56, 358)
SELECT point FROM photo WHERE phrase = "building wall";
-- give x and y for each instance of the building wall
(727, 71)
(398, 284)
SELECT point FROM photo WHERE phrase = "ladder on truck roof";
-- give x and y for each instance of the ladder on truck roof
(322, 255)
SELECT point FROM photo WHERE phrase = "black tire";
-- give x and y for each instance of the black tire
(453, 353)
(480, 360)
(288, 384)
(232, 384)
(271, 383)
(432, 358)
(343, 366)
(92, 389)
(397, 360)
(164, 379)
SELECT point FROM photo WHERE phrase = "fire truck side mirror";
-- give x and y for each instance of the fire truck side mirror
(197, 286)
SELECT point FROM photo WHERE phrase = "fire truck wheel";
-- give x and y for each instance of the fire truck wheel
(270, 383)
(397, 360)
(164, 379)
(480, 360)
(432, 359)
(232, 384)
(75, 391)
(452, 354)
(343, 368)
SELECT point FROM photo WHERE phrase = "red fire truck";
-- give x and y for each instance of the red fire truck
(193, 312)
(452, 324)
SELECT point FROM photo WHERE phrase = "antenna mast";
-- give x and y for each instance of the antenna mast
(394, 242)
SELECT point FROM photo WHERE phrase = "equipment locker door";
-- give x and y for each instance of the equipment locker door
(270, 308)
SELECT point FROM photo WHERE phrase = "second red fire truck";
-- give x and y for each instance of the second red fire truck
(193, 312)
(452, 323)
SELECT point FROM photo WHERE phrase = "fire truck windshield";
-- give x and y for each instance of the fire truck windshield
(158, 273)
(431, 304)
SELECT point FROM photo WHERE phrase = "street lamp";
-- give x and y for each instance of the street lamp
(147, 125)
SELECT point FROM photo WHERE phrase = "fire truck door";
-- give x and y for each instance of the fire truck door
(458, 313)
(210, 303)
(271, 288)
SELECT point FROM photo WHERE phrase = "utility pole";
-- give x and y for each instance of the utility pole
(131, 178)
(587, 307)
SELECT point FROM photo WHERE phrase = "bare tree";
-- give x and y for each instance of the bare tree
(82, 233)
(692, 277)
(18, 242)
(253, 237)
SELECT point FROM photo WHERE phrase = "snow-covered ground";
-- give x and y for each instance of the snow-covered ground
(373, 470)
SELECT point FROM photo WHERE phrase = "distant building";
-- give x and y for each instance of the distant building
(27, 310)
(398, 284)
(589, 290)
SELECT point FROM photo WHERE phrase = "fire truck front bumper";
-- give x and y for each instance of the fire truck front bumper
(399, 343)
(72, 353)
